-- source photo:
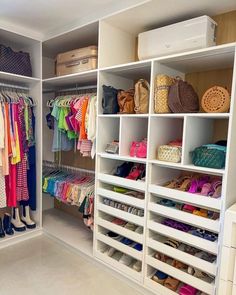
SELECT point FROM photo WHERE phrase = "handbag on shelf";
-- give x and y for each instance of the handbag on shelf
(113, 147)
(210, 156)
(169, 153)
(182, 98)
(126, 101)
(109, 100)
(216, 100)
(138, 149)
(15, 62)
(141, 97)
(162, 85)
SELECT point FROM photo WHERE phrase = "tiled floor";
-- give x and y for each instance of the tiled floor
(41, 266)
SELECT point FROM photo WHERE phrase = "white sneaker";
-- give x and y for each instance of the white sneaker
(137, 266)
(126, 259)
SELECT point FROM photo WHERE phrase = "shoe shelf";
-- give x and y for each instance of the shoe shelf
(181, 275)
(136, 237)
(121, 214)
(185, 197)
(158, 245)
(157, 288)
(119, 267)
(140, 203)
(127, 183)
(203, 69)
(184, 237)
(185, 217)
(120, 246)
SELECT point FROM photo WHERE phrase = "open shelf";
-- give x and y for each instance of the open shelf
(18, 79)
(78, 79)
(69, 230)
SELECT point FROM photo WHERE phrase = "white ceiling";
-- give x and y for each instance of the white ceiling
(45, 18)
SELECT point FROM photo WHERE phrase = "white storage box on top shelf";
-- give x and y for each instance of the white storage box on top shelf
(191, 34)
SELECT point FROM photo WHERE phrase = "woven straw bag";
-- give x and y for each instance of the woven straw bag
(216, 100)
(169, 153)
(162, 85)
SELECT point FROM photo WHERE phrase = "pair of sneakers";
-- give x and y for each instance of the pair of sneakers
(123, 258)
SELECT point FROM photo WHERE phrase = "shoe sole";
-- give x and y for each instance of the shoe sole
(28, 225)
(20, 229)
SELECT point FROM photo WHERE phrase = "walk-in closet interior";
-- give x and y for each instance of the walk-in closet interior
(119, 209)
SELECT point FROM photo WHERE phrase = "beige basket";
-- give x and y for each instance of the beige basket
(169, 153)
(162, 85)
(216, 100)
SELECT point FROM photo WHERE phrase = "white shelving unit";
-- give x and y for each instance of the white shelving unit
(115, 37)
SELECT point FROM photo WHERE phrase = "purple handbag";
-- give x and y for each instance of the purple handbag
(15, 62)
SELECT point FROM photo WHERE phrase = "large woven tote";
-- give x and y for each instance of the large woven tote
(182, 98)
(162, 85)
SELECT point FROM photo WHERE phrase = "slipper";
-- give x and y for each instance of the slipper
(130, 226)
(118, 221)
(126, 241)
(171, 283)
(126, 259)
(187, 290)
(159, 277)
(178, 264)
(137, 266)
(201, 212)
(216, 188)
(138, 247)
(120, 190)
(188, 208)
(206, 188)
(113, 235)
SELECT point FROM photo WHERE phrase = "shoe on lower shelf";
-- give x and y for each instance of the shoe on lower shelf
(137, 266)
(2, 233)
(126, 260)
(109, 251)
(120, 222)
(139, 230)
(126, 241)
(131, 226)
(113, 235)
(117, 255)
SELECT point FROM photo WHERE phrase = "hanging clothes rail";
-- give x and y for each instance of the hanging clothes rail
(14, 86)
(66, 167)
(89, 87)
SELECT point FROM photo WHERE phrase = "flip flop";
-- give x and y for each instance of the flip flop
(216, 189)
(159, 277)
(206, 188)
(171, 283)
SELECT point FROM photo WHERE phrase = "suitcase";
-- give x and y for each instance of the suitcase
(78, 60)
(188, 35)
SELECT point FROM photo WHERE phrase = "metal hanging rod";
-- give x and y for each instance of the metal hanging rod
(14, 86)
(71, 89)
(66, 167)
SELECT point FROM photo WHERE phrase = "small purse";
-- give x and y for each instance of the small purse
(109, 100)
(216, 100)
(162, 86)
(138, 149)
(210, 156)
(112, 148)
(169, 153)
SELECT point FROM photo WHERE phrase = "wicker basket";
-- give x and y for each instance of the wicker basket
(216, 100)
(169, 153)
(163, 83)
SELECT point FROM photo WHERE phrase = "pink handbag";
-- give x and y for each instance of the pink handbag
(138, 149)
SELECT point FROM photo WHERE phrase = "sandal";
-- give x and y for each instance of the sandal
(188, 208)
(206, 188)
(171, 283)
(187, 290)
(197, 184)
(135, 172)
(178, 264)
(201, 212)
(159, 277)
(185, 184)
(216, 188)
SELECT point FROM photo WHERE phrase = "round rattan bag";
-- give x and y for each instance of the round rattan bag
(216, 100)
